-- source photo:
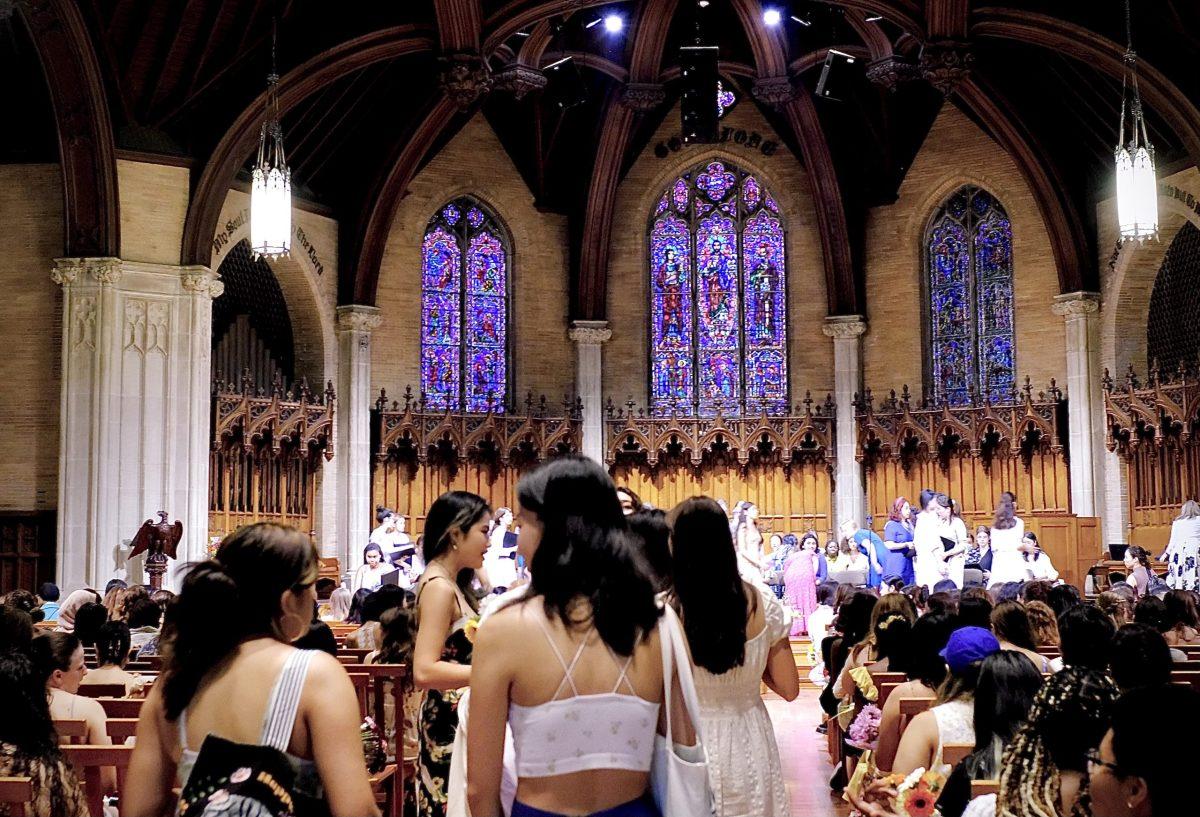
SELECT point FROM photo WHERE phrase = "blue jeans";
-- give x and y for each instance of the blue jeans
(644, 806)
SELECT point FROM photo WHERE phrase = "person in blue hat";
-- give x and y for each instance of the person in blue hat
(952, 718)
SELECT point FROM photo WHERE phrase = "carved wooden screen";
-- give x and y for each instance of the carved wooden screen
(422, 452)
(267, 457)
(781, 464)
(1156, 430)
(27, 549)
(973, 453)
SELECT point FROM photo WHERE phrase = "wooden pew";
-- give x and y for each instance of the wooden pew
(398, 675)
(102, 690)
(955, 753)
(1191, 679)
(122, 707)
(885, 691)
(71, 731)
(910, 708)
(982, 787)
(16, 793)
(121, 729)
(88, 761)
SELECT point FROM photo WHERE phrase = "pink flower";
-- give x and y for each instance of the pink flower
(864, 732)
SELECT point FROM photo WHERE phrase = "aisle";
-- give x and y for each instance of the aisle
(806, 768)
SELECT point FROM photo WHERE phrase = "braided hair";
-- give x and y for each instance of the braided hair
(1069, 716)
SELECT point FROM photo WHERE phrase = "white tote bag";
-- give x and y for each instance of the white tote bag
(679, 774)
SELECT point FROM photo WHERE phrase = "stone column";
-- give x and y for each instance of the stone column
(1085, 406)
(134, 413)
(850, 500)
(353, 452)
(589, 337)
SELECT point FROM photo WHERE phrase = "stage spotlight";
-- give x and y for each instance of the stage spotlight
(772, 17)
(613, 23)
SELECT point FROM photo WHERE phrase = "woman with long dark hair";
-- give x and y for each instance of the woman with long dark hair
(748, 539)
(573, 665)
(925, 669)
(29, 744)
(1010, 624)
(112, 654)
(1183, 618)
(738, 633)
(230, 672)
(800, 581)
(1008, 534)
(456, 540)
(1137, 562)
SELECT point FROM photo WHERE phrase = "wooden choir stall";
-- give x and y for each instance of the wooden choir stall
(781, 464)
(421, 452)
(972, 453)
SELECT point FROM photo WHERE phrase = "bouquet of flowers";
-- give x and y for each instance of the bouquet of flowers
(917, 794)
(864, 731)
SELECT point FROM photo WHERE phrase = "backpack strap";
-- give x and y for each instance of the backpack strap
(280, 714)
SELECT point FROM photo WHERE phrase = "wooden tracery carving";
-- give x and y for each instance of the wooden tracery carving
(267, 450)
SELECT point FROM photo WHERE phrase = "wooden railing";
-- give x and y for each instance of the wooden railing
(267, 453)
(781, 463)
(421, 452)
(1154, 427)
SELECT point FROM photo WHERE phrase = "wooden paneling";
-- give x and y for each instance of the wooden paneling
(409, 487)
(27, 549)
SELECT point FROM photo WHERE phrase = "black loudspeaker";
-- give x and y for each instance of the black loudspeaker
(698, 104)
(833, 81)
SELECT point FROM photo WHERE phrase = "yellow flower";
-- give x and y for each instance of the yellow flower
(470, 628)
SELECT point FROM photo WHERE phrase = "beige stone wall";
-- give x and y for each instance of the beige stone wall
(626, 355)
(154, 202)
(474, 163)
(31, 210)
(955, 152)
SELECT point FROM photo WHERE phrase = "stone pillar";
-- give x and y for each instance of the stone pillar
(850, 501)
(353, 452)
(134, 414)
(1085, 406)
(589, 337)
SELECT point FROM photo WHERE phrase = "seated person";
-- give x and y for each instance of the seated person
(925, 670)
(370, 575)
(1139, 657)
(112, 653)
(144, 618)
(1038, 562)
(49, 595)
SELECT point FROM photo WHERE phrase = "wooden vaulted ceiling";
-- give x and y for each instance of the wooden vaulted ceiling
(371, 91)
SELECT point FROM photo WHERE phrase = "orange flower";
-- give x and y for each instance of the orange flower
(919, 801)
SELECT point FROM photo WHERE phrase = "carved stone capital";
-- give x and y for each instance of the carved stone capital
(891, 71)
(519, 80)
(590, 333)
(102, 270)
(358, 318)
(643, 96)
(202, 281)
(1076, 303)
(946, 63)
(465, 78)
(773, 90)
(844, 326)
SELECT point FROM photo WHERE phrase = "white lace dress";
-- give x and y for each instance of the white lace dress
(739, 741)
(955, 723)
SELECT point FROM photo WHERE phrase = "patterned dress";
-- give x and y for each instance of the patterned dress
(1183, 555)
(437, 727)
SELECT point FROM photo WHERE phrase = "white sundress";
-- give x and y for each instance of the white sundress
(739, 740)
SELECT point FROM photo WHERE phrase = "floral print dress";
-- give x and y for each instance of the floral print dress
(437, 726)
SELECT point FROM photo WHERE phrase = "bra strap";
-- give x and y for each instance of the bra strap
(284, 702)
(624, 670)
(567, 668)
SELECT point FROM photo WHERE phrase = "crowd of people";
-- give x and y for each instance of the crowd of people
(592, 655)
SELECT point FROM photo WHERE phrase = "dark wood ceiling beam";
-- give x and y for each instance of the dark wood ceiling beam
(907, 14)
(521, 14)
(588, 60)
(459, 24)
(91, 207)
(536, 44)
(144, 57)
(1073, 253)
(167, 63)
(727, 68)
(814, 58)
(650, 25)
(182, 61)
(364, 252)
(1158, 92)
(878, 45)
(840, 272)
(947, 19)
(296, 85)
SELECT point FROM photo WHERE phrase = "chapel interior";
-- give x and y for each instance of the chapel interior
(812, 254)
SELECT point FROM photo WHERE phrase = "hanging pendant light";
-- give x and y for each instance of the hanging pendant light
(1137, 184)
(271, 181)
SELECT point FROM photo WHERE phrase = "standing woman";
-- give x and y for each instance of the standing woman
(749, 541)
(738, 634)
(1183, 550)
(500, 566)
(800, 581)
(898, 537)
(577, 652)
(1008, 533)
(456, 540)
(955, 530)
(928, 564)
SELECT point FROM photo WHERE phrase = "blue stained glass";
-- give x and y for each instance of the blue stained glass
(726, 99)
(970, 270)
(662, 205)
(464, 311)
(718, 337)
(715, 181)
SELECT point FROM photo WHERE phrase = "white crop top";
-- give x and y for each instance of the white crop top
(607, 730)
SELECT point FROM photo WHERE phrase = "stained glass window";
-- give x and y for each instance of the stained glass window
(970, 285)
(464, 309)
(718, 335)
(726, 99)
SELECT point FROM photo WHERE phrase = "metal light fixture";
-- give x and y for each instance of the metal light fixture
(1137, 186)
(271, 181)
